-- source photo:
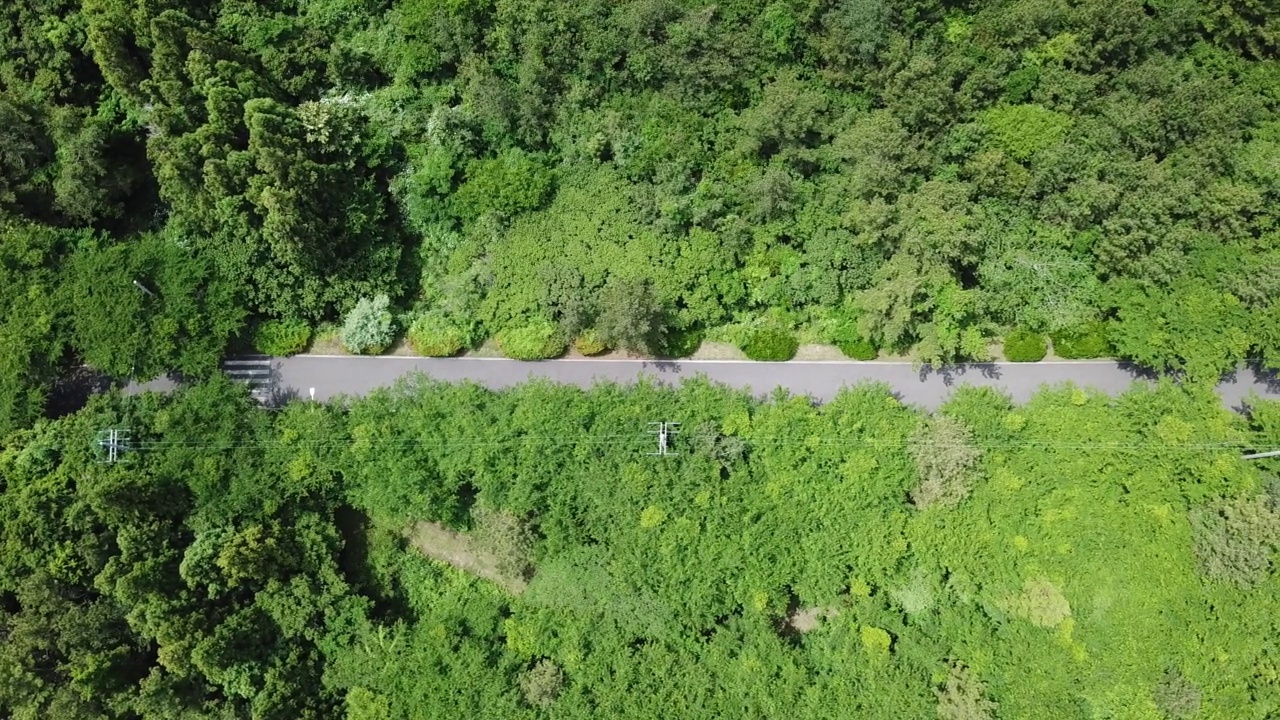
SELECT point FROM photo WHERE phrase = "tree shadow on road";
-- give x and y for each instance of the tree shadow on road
(953, 372)
(1268, 378)
(1138, 372)
(662, 366)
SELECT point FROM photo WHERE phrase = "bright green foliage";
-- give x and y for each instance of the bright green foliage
(589, 343)
(557, 263)
(1025, 346)
(240, 562)
(369, 327)
(849, 339)
(945, 170)
(1193, 328)
(433, 335)
(510, 184)
(1082, 342)
(858, 349)
(1024, 130)
(770, 344)
(538, 340)
(281, 338)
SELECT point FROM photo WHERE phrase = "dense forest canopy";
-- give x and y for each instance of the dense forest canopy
(1075, 557)
(910, 175)
(923, 177)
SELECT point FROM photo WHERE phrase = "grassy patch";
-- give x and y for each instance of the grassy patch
(447, 546)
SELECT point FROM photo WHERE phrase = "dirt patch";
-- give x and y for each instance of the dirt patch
(401, 347)
(803, 620)
(444, 545)
(717, 351)
(815, 351)
(327, 344)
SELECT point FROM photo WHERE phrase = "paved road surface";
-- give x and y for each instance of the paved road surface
(343, 375)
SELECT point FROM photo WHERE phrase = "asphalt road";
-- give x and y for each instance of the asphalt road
(330, 376)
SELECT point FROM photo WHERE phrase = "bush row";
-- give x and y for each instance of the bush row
(370, 329)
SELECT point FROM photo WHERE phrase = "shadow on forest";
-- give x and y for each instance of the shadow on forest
(389, 602)
(73, 388)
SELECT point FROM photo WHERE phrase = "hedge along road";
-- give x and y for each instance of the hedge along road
(330, 376)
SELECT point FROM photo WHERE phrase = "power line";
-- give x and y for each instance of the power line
(113, 442)
(667, 431)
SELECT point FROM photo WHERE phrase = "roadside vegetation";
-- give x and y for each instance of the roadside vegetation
(929, 176)
(441, 551)
(939, 180)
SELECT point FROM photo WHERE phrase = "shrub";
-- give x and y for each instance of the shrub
(771, 344)
(538, 340)
(542, 684)
(681, 343)
(589, 343)
(505, 538)
(281, 338)
(859, 350)
(369, 328)
(851, 343)
(1087, 341)
(1234, 539)
(945, 457)
(433, 335)
(964, 696)
(1025, 346)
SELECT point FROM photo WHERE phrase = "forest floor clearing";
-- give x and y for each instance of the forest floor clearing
(803, 620)
(815, 351)
(709, 350)
(447, 546)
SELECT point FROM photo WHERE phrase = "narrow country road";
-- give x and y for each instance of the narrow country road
(330, 376)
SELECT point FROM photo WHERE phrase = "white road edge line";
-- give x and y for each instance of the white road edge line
(761, 363)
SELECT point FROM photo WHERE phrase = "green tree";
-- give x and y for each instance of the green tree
(148, 307)
(369, 328)
(963, 696)
(542, 683)
(945, 458)
(1193, 328)
(1235, 539)
(630, 316)
(510, 184)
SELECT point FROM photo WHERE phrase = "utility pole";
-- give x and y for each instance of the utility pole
(114, 442)
(143, 288)
(1259, 456)
(664, 431)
